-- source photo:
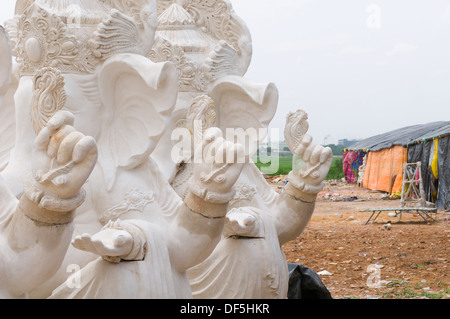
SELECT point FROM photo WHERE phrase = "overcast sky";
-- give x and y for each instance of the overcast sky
(358, 67)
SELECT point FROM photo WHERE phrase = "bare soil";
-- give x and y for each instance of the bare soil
(413, 257)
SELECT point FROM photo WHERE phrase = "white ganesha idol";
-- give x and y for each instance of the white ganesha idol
(212, 49)
(36, 229)
(89, 58)
(127, 73)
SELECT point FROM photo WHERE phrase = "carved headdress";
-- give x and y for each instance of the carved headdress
(54, 33)
(206, 40)
(211, 47)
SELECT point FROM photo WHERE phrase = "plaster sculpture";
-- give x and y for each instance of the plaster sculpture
(161, 247)
(207, 42)
(260, 221)
(134, 236)
(7, 80)
(146, 219)
(5, 63)
(36, 230)
(214, 92)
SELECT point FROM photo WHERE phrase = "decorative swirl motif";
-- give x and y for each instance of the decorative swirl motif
(189, 75)
(48, 98)
(41, 39)
(116, 34)
(205, 40)
(244, 192)
(296, 127)
(142, 11)
(134, 201)
(201, 111)
(54, 33)
(216, 18)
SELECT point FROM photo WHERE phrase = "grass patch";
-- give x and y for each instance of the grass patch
(399, 289)
(274, 167)
(283, 165)
(336, 169)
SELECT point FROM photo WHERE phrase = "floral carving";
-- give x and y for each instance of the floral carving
(189, 75)
(134, 200)
(48, 98)
(244, 192)
(56, 36)
(41, 39)
(204, 39)
(201, 111)
(216, 18)
(131, 8)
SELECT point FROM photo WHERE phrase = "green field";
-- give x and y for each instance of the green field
(285, 166)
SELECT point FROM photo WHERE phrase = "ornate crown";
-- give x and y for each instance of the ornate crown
(75, 36)
(204, 39)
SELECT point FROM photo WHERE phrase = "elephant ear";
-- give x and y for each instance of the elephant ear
(8, 86)
(138, 99)
(244, 104)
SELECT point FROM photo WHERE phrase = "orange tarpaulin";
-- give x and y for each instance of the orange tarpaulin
(384, 170)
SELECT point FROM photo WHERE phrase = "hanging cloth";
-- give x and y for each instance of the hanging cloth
(434, 161)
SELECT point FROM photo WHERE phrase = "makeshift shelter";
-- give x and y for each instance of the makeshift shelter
(386, 153)
(384, 169)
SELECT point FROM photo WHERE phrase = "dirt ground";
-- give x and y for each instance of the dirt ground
(408, 260)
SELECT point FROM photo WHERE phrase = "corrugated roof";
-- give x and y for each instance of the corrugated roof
(404, 136)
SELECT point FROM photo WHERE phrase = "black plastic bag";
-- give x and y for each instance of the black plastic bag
(304, 283)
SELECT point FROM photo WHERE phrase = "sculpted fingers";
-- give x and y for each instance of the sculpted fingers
(67, 146)
(230, 153)
(83, 242)
(86, 148)
(77, 147)
(207, 150)
(213, 150)
(57, 139)
(221, 154)
(316, 155)
(304, 145)
(60, 119)
(43, 140)
(326, 156)
(211, 136)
